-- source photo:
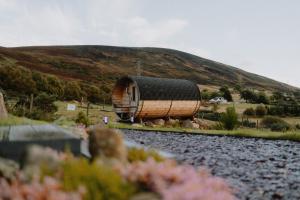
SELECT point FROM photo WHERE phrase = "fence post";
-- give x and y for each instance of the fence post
(31, 103)
(87, 109)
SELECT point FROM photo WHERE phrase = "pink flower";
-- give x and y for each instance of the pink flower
(175, 182)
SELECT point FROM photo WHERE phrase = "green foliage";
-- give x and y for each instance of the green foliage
(213, 116)
(280, 127)
(249, 95)
(226, 93)
(100, 181)
(82, 119)
(269, 120)
(215, 107)
(262, 98)
(274, 123)
(205, 95)
(253, 97)
(229, 119)
(73, 91)
(41, 82)
(17, 79)
(215, 94)
(248, 123)
(249, 112)
(22, 81)
(284, 109)
(93, 93)
(57, 86)
(261, 111)
(140, 154)
(237, 88)
(45, 102)
(277, 96)
(43, 107)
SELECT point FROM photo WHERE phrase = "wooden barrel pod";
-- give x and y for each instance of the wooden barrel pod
(147, 97)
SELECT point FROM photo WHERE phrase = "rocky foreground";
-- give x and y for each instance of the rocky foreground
(256, 168)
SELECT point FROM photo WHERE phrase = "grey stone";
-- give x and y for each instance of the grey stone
(257, 168)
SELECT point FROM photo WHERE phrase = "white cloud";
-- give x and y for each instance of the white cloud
(114, 22)
(142, 32)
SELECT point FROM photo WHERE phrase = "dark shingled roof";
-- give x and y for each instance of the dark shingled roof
(166, 89)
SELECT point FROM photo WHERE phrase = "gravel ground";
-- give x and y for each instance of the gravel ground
(256, 168)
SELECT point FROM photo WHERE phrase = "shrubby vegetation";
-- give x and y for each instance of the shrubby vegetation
(47, 174)
(250, 112)
(223, 92)
(21, 81)
(136, 154)
(261, 111)
(252, 97)
(43, 107)
(210, 115)
(82, 119)
(275, 124)
(229, 119)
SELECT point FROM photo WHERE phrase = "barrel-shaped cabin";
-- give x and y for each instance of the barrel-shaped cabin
(144, 97)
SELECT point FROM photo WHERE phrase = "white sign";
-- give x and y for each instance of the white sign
(71, 107)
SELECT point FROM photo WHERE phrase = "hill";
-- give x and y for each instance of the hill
(102, 65)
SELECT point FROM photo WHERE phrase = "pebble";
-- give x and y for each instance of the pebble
(255, 168)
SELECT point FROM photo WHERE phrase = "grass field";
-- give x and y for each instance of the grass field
(13, 120)
(241, 107)
(96, 113)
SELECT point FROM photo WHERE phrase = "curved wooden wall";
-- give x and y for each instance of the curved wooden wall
(124, 106)
(160, 109)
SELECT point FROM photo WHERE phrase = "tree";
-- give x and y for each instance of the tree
(226, 93)
(249, 96)
(56, 86)
(41, 81)
(262, 98)
(45, 102)
(72, 91)
(17, 79)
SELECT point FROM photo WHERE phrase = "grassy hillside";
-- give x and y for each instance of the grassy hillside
(102, 65)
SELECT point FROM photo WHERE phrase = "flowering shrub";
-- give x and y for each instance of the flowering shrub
(140, 154)
(100, 181)
(49, 189)
(174, 182)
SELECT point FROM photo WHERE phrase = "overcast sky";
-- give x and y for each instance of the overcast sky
(258, 36)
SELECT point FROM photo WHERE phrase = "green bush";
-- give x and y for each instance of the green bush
(280, 127)
(261, 111)
(73, 91)
(274, 123)
(249, 112)
(82, 119)
(217, 126)
(101, 182)
(205, 95)
(140, 154)
(212, 116)
(262, 98)
(229, 119)
(248, 123)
